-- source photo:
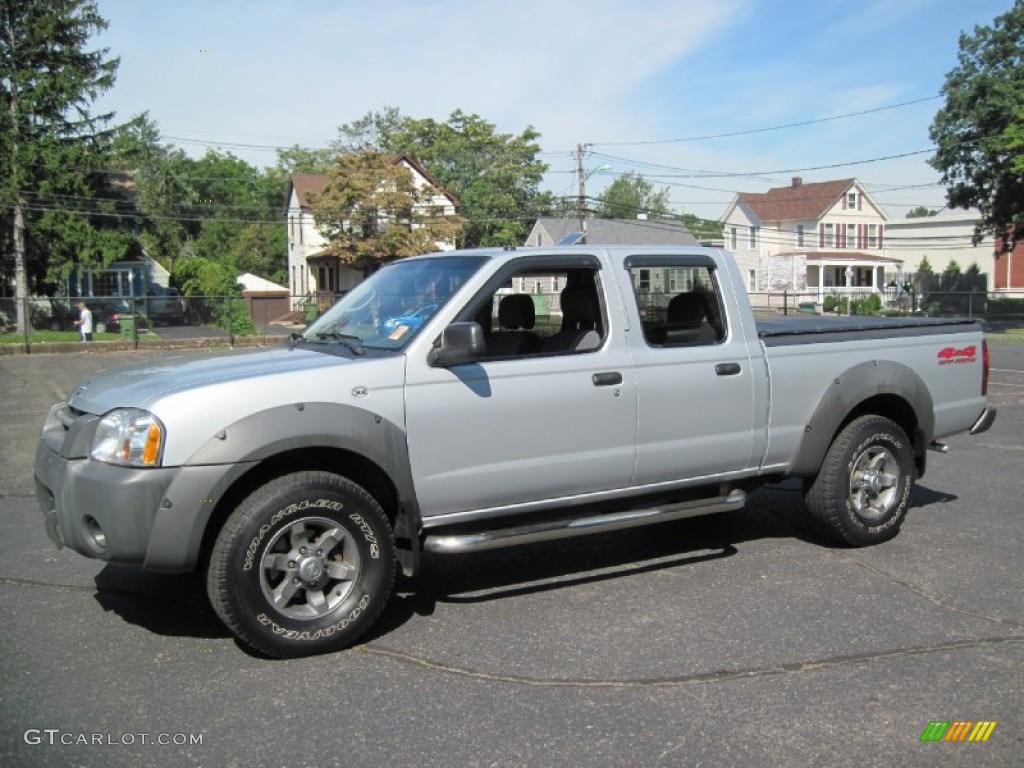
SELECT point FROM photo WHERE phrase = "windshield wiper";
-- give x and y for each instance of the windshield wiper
(350, 341)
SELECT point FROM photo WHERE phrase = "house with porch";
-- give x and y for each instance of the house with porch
(311, 270)
(817, 238)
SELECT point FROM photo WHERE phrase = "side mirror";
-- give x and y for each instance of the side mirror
(459, 343)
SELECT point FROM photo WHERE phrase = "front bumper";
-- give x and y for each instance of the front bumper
(97, 509)
(154, 518)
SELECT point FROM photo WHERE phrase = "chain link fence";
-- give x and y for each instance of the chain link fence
(138, 320)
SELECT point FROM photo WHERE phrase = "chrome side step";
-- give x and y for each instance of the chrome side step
(579, 526)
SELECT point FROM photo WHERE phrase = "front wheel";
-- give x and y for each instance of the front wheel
(862, 492)
(101, 327)
(304, 565)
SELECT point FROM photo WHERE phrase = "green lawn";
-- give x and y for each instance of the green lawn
(1006, 336)
(39, 337)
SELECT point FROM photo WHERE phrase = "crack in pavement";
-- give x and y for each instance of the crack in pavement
(698, 678)
(722, 675)
(922, 592)
(905, 584)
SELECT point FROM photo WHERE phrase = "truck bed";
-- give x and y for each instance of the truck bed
(803, 329)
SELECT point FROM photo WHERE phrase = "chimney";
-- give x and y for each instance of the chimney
(797, 181)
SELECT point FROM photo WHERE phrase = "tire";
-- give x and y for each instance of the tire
(862, 492)
(304, 565)
(101, 327)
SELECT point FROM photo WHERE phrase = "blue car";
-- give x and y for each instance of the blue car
(412, 320)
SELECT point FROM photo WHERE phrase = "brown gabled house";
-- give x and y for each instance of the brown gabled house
(823, 237)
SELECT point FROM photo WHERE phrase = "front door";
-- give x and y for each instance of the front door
(550, 413)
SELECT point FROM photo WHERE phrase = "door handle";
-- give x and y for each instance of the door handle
(609, 379)
(727, 369)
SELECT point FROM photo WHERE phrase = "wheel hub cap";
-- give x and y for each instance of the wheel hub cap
(311, 569)
(874, 483)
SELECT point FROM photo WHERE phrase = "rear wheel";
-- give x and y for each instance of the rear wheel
(304, 565)
(101, 327)
(862, 492)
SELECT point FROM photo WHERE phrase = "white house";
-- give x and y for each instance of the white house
(943, 238)
(310, 269)
(805, 237)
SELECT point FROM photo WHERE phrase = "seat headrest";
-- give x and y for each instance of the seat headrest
(689, 307)
(578, 308)
(516, 311)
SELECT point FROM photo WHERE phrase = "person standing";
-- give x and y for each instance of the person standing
(84, 321)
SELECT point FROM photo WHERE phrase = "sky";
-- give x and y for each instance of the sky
(699, 96)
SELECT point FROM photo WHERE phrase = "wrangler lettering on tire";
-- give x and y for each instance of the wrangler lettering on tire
(862, 491)
(304, 565)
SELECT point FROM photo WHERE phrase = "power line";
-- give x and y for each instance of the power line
(762, 130)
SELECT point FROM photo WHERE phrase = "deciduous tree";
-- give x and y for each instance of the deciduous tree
(496, 176)
(372, 211)
(630, 196)
(978, 131)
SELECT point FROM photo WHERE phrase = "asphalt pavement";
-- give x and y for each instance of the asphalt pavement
(731, 640)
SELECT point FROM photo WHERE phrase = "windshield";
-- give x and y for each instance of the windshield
(386, 310)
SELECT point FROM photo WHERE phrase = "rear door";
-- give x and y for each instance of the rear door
(694, 374)
(550, 413)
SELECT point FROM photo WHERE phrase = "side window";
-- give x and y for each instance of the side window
(542, 312)
(671, 317)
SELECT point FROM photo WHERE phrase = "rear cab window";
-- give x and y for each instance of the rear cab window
(678, 300)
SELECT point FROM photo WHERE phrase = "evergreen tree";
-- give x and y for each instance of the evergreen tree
(51, 147)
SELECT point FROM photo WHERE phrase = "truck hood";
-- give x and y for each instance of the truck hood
(141, 386)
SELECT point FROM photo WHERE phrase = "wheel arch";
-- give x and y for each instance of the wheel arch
(353, 443)
(878, 387)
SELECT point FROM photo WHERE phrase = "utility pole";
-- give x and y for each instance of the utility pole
(581, 200)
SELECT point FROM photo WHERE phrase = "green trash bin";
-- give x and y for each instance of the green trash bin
(128, 326)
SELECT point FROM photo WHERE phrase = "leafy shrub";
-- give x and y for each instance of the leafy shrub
(871, 305)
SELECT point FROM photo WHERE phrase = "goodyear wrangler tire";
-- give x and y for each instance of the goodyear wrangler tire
(861, 494)
(304, 565)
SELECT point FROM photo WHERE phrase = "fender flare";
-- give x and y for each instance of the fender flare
(847, 392)
(213, 469)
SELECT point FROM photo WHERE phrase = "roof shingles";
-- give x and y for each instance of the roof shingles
(796, 202)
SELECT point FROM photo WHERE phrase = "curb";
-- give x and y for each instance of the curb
(101, 347)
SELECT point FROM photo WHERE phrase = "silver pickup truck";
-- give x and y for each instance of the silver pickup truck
(461, 401)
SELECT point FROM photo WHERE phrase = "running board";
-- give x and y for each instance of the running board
(579, 526)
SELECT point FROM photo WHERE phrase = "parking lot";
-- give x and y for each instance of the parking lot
(730, 640)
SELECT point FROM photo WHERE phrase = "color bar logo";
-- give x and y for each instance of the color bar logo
(958, 730)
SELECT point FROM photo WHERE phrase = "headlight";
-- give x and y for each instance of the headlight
(130, 437)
